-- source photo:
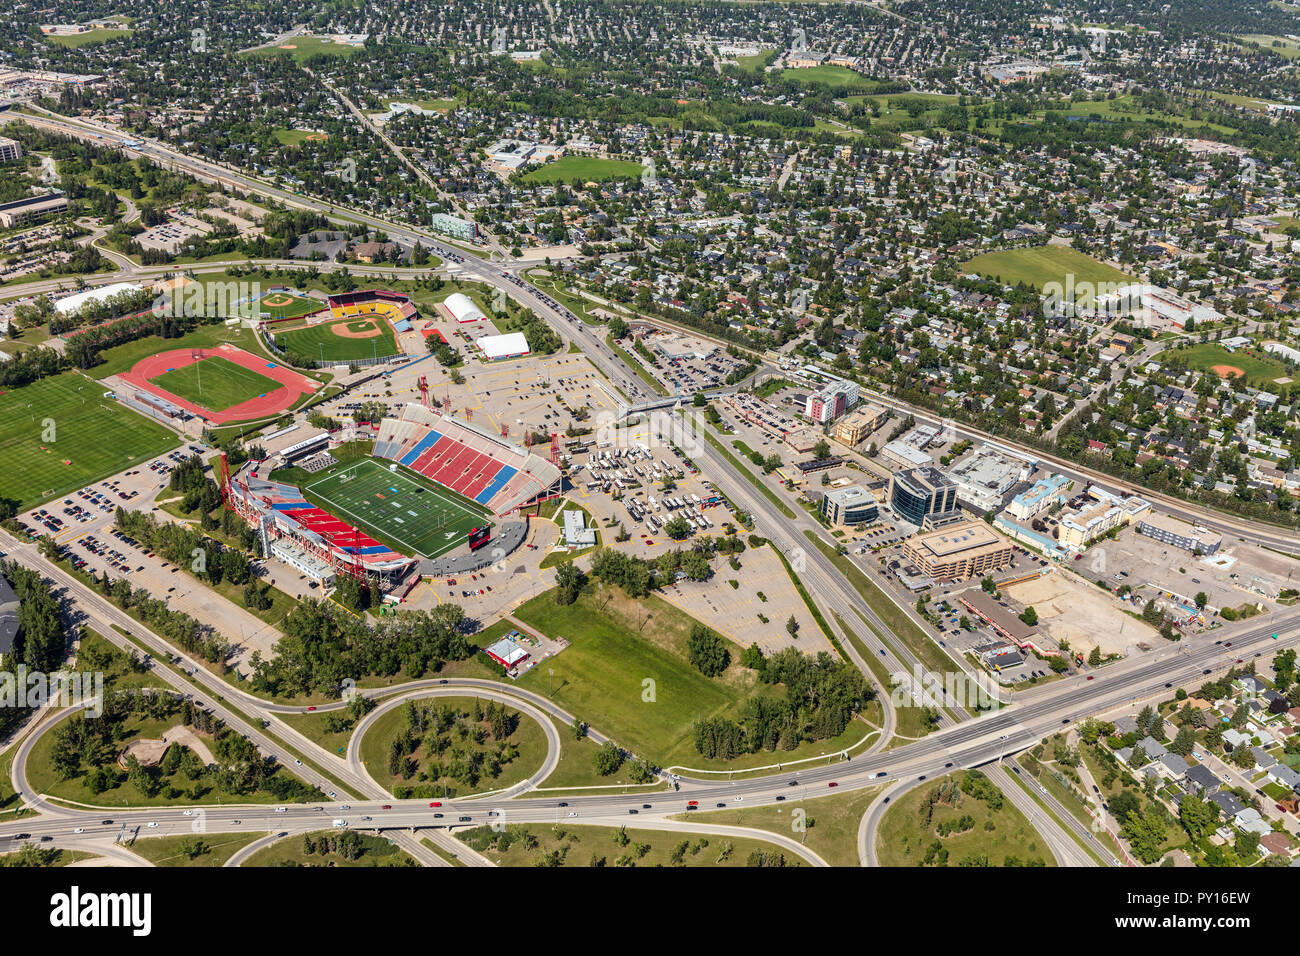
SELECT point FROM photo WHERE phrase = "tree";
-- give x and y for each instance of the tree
(792, 627)
(608, 758)
(707, 652)
(822, 449)
(568, 581)
(677, 528)
(1029, 616)
(1201, 599)
(1094, 658)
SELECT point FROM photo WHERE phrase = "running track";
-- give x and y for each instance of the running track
(292, 385)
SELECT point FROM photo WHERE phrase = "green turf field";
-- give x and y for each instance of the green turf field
(416, 516)
(296, 306)
(1039, 265)
(72, 41)
(97, 435)
(215, 383)
(304, 48)
(319, 341)
(1259, 368)
(566, 169)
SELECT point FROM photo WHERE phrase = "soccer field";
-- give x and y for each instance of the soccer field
(67, 418)
(395, 508)
(215, 383)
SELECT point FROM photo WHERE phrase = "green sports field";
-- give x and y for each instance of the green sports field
(215, 383)
(397, 508)
(1039, 265)
(1260, 369)
(98, 436)
(566, 169)
(320, 342)
(282, 305)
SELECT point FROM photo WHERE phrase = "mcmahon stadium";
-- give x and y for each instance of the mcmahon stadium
(428, 502)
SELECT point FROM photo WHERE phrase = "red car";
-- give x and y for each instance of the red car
(692, 803)
(1089, 677)
(386, 806)
(436, 803)
(312, 707)
(832, 784)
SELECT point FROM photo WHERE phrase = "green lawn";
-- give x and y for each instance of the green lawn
(66, 418)
(1282, 46)
(398, 508)
(375, 851)
(567, 845)
(304, 48)
(1259, 367)
(293, 137)
(173, 790)
(73, 40)
(322, 343)
(215, 383)
(193, 851)
(567, 169)
(623, 651)
(836, 77)
(905, 835)
(122, 358)
(524, 751)
(828, 825)
(1039, 265)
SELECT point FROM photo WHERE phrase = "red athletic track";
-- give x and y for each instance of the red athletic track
(292, 385)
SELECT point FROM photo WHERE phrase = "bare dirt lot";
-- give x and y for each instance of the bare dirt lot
(1082, 615)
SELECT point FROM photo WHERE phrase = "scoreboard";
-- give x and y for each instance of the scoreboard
(479, 537)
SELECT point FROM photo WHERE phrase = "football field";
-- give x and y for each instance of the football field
(395, 508)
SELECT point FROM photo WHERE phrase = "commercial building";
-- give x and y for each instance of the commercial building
(902, 454)
(453, 226)
(1102, 512)
(831, 402)
(999, 619)
(71, 304)
(965, 549)
(987, 476)
(856, 427)
(19, 212)
(850, 506)
(10, 149)
(1180, 534)
(921, 495)
(576, 532)
(506, 653)
(1045, 493)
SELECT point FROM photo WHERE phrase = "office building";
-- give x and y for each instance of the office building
(922, 494)
(850, 506)
(962, 550)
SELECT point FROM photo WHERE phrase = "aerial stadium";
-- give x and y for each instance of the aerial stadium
(426, 502)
